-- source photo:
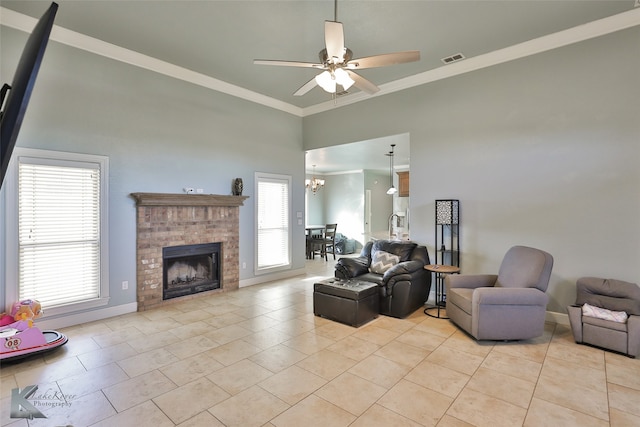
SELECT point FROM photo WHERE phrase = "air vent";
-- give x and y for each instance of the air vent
(453, 58)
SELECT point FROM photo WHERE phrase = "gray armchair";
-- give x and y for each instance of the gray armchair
(610, 294)
(508, 306)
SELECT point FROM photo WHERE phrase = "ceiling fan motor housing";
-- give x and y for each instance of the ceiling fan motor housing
(324, 57)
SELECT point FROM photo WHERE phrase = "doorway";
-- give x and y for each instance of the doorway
(357, 177)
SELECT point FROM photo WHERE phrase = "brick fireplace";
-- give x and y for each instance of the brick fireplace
(167, 220)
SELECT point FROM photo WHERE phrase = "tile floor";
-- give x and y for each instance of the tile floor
(259, 357)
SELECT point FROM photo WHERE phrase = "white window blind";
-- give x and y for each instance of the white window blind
(59, 231)
(273, 222)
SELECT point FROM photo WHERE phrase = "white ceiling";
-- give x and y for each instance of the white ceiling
(370, 154)
(220, 39)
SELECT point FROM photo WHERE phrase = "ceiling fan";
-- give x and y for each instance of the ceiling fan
(338, 64)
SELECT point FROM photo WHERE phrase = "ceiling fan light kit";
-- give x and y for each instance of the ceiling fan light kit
(337, 63)
(328, 81)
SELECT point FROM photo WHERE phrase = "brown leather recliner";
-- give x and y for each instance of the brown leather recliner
(404, 287)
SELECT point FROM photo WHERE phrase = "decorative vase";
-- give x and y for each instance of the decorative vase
(237, 187)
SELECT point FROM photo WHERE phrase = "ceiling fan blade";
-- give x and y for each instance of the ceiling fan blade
(306, 87)
(384, 60)
(362, 83)
(287, 63)
(334, 41)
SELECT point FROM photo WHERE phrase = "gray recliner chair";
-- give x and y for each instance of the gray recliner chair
(508, 306)
(607, 331)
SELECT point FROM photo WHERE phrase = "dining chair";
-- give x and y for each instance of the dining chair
(328, 242)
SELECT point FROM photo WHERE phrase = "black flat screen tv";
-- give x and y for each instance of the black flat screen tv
(18, 93)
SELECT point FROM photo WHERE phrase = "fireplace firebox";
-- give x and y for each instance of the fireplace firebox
(190, 269)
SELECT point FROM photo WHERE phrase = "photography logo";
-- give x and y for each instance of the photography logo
(22, 407)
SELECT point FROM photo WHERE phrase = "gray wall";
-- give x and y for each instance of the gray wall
(542, 151)
(381, 202)
(344, 203)
(160, 135)
(315, 203)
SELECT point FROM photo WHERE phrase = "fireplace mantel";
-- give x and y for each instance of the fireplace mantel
(167, 220)
(169, 199)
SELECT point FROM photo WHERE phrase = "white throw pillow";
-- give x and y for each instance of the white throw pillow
(603, 313)
(381, 261)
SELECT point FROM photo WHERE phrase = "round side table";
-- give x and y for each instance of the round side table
(440, 271)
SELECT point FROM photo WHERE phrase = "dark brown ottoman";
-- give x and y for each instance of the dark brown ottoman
(354, 302)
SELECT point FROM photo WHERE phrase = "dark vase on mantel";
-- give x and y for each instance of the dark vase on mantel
(237, 187)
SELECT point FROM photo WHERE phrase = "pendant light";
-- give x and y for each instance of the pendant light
(392, 190)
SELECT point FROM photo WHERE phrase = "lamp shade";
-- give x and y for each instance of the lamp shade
(447, 212)
(326, 81)
(343, 78)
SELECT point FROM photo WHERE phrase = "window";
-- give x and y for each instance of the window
(61, 229)
(273, 222)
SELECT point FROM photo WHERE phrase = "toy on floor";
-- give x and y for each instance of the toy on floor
(26, 310)
(18, 335)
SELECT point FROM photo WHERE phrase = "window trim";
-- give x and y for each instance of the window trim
(270, 176)
(11, 215)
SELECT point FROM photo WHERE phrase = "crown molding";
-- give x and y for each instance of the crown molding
(19, 21)
(570, 36)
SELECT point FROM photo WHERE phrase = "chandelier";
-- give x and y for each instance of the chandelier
(314, 183)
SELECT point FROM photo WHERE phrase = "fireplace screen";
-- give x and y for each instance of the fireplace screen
(190, 269)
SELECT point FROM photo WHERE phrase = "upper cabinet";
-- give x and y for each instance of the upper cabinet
(403, 184)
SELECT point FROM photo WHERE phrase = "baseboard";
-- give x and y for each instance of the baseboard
(271, 277)
(559, 318)
(86, 317)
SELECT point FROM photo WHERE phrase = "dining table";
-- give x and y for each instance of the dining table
(313, 232)
(311, 228)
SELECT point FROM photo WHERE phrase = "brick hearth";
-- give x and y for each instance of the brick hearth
(184, 219)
